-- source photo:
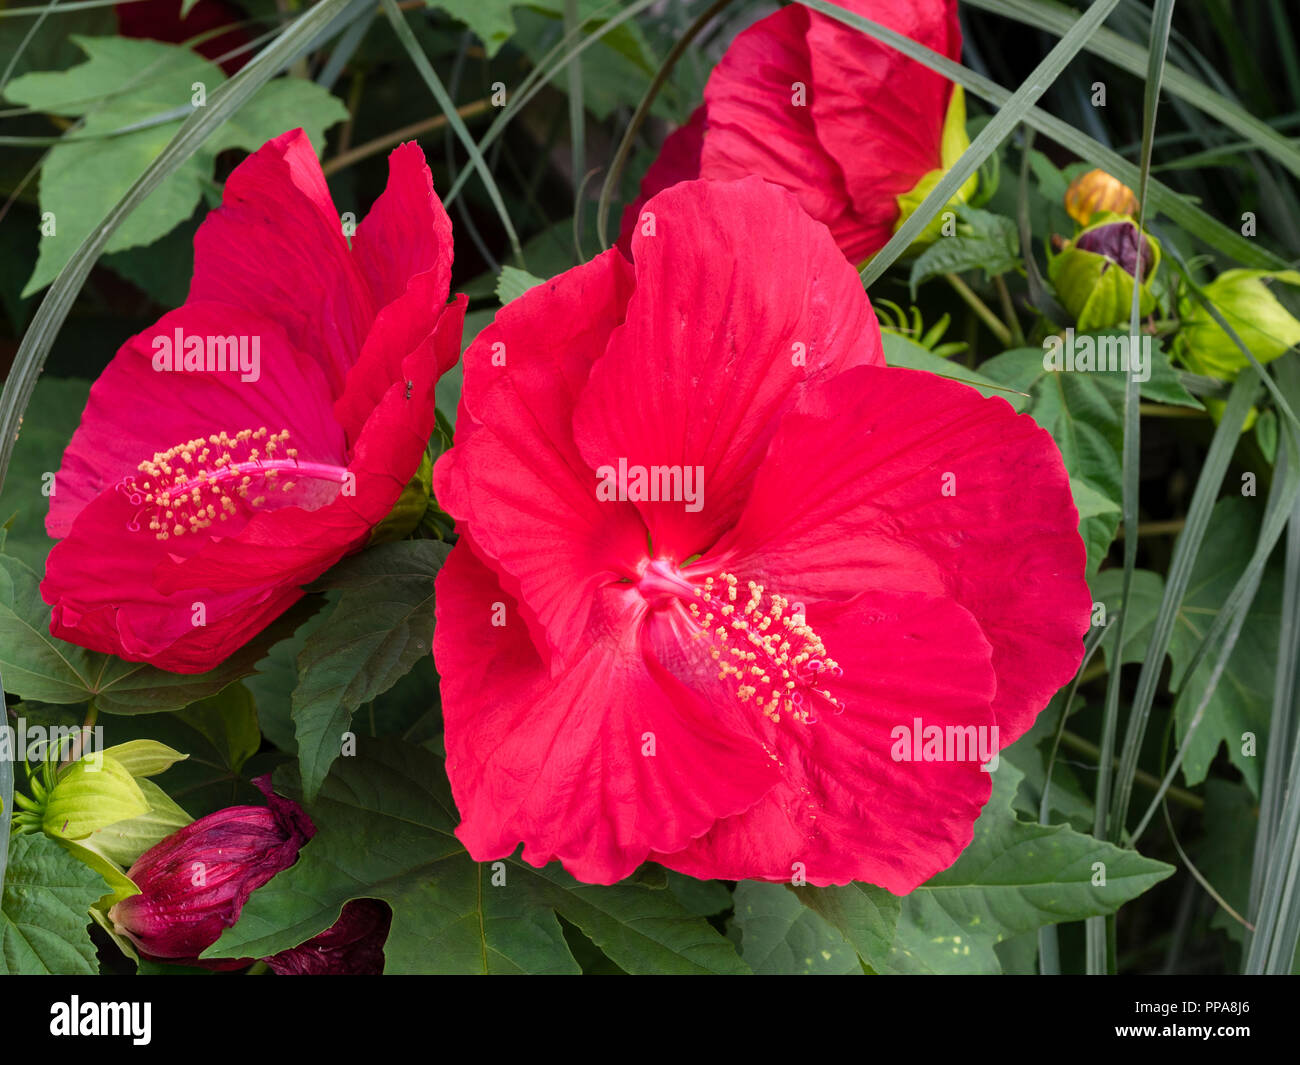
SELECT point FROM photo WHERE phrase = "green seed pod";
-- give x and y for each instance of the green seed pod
(1243, 298)
(1094, 273)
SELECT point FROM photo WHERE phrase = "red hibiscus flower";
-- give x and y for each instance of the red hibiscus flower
(253, 437)
(161, 20)
(714, 555)
(845, 122)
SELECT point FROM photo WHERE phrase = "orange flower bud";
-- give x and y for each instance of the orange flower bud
(1097, 191)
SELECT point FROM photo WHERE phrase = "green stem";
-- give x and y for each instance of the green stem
(981, 308)
(1009, 311)
(1091, 750)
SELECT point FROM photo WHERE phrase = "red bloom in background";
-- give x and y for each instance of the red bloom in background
(194, 883)
(866, 127)
(716, 686)
(195, 500)
(160, 20)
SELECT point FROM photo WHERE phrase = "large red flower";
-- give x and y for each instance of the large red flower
(193, 503)
(161, 20)
(914, 544)
(845, 122)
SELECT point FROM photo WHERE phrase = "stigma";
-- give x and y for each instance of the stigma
(759, 643)
(196, 484)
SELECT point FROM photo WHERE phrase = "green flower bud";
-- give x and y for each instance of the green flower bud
(1243, 298)
(409, 508)
(1094, 273)
(954, 141)
(89, 795)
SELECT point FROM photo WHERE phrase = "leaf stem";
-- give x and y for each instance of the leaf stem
(1091, 750)
(980, 308)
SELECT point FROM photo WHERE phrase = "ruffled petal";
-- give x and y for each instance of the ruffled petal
(678, 160)
(404, 250)
(847, 808)
(741, 302)
(407, 233)
(290, 392)
(759, 120)
(276, 247)
(597, 765)
(515, 474)
(941, 487)
(877, 112)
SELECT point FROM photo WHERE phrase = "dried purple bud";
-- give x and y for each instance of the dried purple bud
(1120, 242)
(352, 946)
(194, 883)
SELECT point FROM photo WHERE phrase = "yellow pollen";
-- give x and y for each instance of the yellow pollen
(188, 487)
(793, 652)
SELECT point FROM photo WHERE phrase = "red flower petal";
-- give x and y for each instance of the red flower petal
(843, 121)
(276, 247)
(678, 160)
(877, 112)
(944, 489)
(530, 497)
(755, 127)
(741, 302)
(291, 392)
(845, 809)
(559, 761)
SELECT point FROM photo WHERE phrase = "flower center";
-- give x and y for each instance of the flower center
(761, 643)
(189, 487)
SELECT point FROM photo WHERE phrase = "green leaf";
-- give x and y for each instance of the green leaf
(1068, 801)
(1089, 502)
(704, 898)
(51, 419)
(1243, 697)
(513, 283)
(273, 684)
(146, 88)
(44, 668)
(385, 821)
(228, 721)
(1225, 854)
(44, 915)
(208, 733)
(779, 936)
(866, 915)
(382, 625)
(1014, 877)
(1144, 595)
(983, 240)
(900, 351)
(492, 21)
